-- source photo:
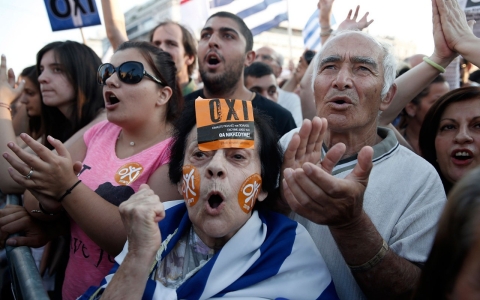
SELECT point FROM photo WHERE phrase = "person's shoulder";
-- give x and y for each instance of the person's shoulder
(287, 96)
(409, 168)
(173, 203)
(101, 128)
(269, 106)
(415, 160)
(194, 95)
(280, 222)
(190, 87)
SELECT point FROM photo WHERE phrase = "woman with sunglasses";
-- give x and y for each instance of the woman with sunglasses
(120, 154)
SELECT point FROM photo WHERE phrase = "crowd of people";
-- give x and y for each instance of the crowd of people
(332, 184)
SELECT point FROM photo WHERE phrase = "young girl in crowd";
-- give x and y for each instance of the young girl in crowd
(32, 100)
(142, 99)
(26, 107)
(72, 101)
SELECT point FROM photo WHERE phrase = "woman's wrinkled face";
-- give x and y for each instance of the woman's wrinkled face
(216, 214)
(457, 142)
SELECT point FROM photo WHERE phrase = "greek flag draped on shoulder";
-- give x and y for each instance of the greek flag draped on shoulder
(270, 257)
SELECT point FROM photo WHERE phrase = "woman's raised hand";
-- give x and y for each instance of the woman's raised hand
(8, 92)
(46, 172)
(140, 215)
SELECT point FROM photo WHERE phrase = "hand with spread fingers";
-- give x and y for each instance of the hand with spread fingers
(308, 185)
(14, 219)
(314, 193)
(352, 24)
(140, 216)
(306, 145)
(48, 173)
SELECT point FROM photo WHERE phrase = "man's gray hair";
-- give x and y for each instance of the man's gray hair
(279, 59)
(389, 61)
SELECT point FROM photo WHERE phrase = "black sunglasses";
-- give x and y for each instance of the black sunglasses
(130, 72)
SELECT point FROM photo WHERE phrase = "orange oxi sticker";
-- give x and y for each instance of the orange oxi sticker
(224, 123)
(191, 185)
(128, 173)
(249, 192)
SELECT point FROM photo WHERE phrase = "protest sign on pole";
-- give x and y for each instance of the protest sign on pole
(68, 14)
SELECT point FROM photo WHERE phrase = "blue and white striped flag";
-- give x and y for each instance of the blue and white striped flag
(311, 31)
(270, 257)
(259, 15)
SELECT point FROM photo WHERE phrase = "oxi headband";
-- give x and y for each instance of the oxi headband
(224, 123)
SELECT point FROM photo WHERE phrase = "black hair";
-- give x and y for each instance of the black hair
(244, 30)
(79, 64)
(188, 41)
(161, 60)
(269, 151)
(257, 69)
(475, 76)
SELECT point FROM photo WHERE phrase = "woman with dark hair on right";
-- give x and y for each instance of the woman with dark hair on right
(450, 134)
(453, 267)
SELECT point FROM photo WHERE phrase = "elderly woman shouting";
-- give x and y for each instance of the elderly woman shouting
(223, 239)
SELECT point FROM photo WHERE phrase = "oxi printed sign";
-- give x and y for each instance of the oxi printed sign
(224, 123)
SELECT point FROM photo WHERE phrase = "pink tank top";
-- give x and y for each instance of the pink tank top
(115, 180)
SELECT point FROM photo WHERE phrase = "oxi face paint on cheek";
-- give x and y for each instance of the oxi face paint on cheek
(248, 192)
(191, 185)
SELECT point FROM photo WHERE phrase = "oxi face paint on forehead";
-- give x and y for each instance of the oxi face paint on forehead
(191, 185)
(224, 123)
(248, 192)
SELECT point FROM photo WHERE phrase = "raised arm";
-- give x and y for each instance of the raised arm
(7, 95)
(415, 80)
(140, 216)
(297, 75)
(114, 23)
(457, 31)
(325, 8)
